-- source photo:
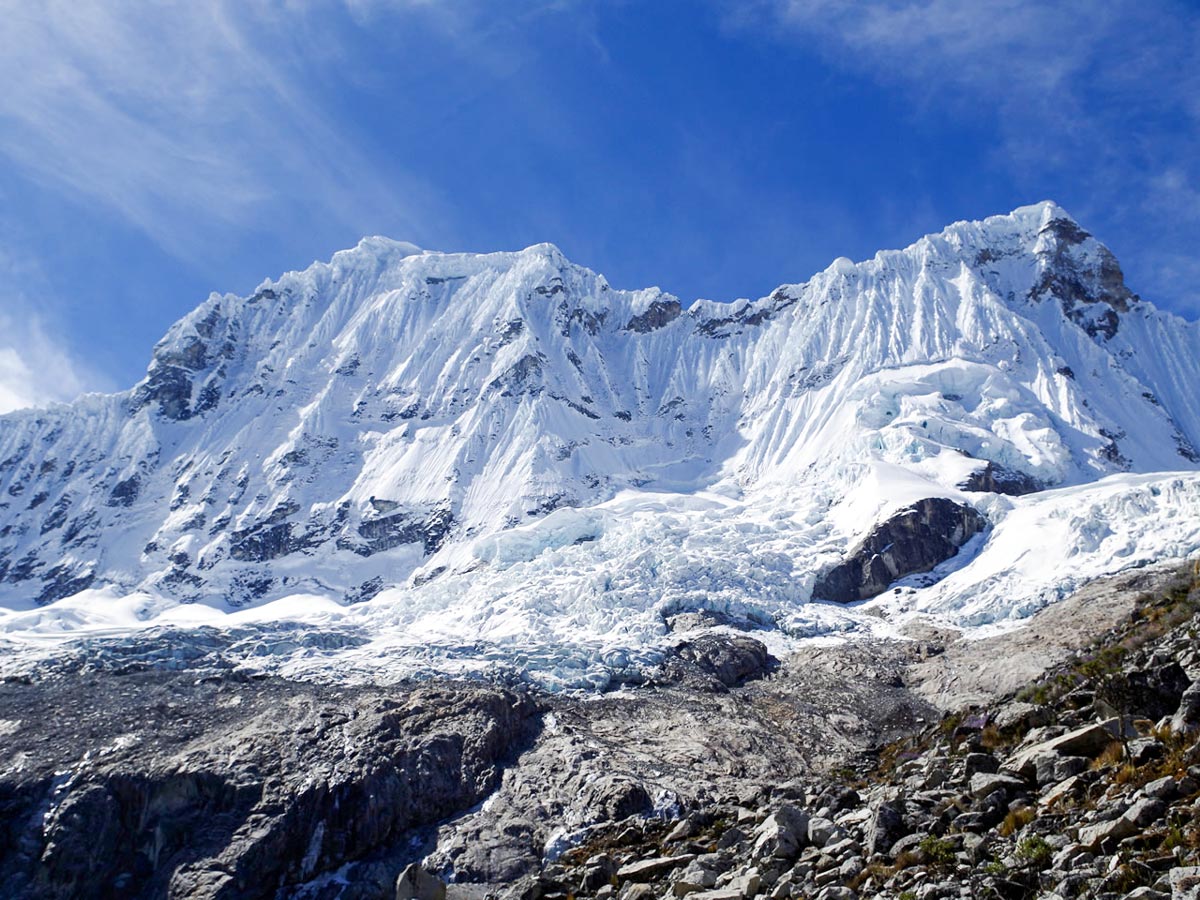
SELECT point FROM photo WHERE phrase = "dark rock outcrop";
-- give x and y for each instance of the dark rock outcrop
(1092, 296)
(1157, 691)
(415, 883)
(158, 785)
(263, 543)
(913, 541)
(64, 581)
(168, 386)
(658, 314)
(729, 659)
(997, 479)
(428, 528)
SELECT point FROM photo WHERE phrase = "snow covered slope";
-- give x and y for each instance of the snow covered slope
(503, 448)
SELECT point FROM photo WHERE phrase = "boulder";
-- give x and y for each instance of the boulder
(598, 871)
(1066, 788)
(1187, 715)
(1021, 715)
(971, 822)
(836, 892)
(730, 659)
(1158, 691)
(1052, 768)
(415, 883)
(688, 827)
(1185, 882)
(1163, 788)
(822, 831)
(694, 877)
(906, 844)
(887, 825)
(613, 798)
(746, 884)
(782, 834)
(1147, 893)
(1145, 811)
(851, 868)
(983, 784)
(914, 540)
(650, 869)
(1088, 741)
(1093, 837)
(1144, 750)
(981, 762)
(841, 848)
(732, 837)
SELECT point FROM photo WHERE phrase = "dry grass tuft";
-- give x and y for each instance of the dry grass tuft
(1111, 755)
(1016, 820)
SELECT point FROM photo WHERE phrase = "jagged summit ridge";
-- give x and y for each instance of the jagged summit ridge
(451, 431)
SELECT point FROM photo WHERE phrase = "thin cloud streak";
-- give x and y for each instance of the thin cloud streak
(36, 368)
(1073, 88)
(188, 120)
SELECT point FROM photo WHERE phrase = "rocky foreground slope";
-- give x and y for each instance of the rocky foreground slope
(147, 769)
(1086, 783)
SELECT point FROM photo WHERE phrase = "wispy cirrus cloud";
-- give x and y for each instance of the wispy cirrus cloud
(185, 119)
(1107, 94)
(208, 118)
(1073, 59)
(36, 368)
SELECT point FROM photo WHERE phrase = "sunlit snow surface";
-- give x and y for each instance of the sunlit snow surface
(568, 614)
(716, 461)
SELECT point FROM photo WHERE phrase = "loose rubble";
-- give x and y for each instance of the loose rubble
(1085, 783)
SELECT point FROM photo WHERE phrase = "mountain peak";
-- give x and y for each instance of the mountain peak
(546, 249)
(1030, 218)
(380, 246)
(1043, 211)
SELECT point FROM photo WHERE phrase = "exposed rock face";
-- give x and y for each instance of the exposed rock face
(997, 479)
(415, 883)
(1092, 292)
(1157, 690)
(676, 747)
(729, 659)
(658, 314)
(154, 785)
(914, 540)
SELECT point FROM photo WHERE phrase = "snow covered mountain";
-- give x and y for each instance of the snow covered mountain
(502, 450)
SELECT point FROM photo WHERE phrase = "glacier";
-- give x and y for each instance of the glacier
(473, 461)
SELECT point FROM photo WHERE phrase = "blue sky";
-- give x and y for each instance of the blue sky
(152, 153)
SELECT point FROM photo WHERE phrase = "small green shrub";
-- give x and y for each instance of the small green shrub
(1173, 838)
(1035, 851)
(938, 851)
(996, 868)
